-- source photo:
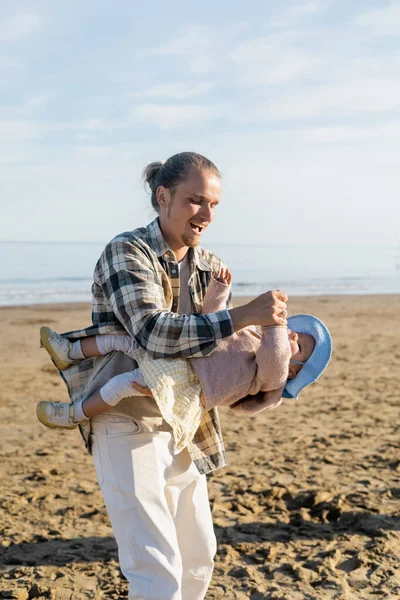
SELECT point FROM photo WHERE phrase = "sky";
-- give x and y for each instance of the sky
(297, 103)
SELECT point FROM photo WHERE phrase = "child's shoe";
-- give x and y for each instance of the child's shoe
(56, 414)
(57, 346)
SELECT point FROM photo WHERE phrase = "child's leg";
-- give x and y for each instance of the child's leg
(58, 347)
(64, 353)
(122, 386)
(119, 387)
(100, 345)
(91, 407)
(89, 347)
(67, 416)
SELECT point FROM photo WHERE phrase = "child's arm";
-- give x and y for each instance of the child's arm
(218, 292)
(272, 358)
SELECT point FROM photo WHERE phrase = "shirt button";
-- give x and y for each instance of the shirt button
(173, 271)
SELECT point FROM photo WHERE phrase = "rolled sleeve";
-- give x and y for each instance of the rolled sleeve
(221, 323)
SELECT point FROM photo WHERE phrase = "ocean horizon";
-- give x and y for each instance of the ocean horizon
(58, 272)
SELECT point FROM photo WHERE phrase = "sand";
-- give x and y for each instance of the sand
(308, 507)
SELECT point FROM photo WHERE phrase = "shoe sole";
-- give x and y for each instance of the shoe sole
(41, 414)
(45, 333)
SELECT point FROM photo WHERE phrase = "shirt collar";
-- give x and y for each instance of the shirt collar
(159, 245)
(197, 256)
(156, 239)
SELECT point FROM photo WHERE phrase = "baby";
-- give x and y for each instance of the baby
(248, 371)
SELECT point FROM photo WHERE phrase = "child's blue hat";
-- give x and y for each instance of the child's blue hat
(319, 359)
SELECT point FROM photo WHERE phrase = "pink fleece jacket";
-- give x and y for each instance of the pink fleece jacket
(247, 371)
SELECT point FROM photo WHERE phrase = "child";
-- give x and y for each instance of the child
(248, 372)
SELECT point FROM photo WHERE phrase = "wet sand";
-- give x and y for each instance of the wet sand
(308, 508)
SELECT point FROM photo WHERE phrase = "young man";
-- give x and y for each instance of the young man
(149, 282)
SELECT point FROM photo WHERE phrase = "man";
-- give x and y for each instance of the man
(151, 282)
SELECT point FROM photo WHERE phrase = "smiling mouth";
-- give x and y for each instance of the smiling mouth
(197, 228)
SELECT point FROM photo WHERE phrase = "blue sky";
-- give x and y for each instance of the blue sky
(298, 103)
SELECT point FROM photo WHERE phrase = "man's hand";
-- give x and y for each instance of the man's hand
(266, 310)
(143, 390)
(270, 308)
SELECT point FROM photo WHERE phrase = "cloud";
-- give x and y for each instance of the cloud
(294, 14)
(195, 45)
(307, 8)
(273, 59)
(94, 129)
(193, 38)
(201, 48)
(386, 18)
(19, 27)
(7, 63)
(32, 104)
(340, 99)
(286, 15)
(370, 67)
(99, 151)
(343, 134)
(174, 115)
(85, 137)
(18, 131)
(19, 141)
(97, 124)
(177, 91)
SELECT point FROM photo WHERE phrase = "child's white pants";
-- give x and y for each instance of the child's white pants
(159, 510)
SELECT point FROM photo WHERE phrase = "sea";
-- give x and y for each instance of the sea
(59, 272)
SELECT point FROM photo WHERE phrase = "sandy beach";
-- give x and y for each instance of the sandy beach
(308, 507)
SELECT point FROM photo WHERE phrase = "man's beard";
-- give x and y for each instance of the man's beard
(190, 243)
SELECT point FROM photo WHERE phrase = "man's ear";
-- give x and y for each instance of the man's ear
(292, 373)
(163, 196)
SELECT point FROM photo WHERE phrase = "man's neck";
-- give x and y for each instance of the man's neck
(181, 253)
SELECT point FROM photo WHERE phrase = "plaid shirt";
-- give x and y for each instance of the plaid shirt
(136, 288)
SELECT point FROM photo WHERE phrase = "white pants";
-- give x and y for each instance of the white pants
(159, 510)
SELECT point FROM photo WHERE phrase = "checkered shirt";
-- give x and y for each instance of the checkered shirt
(136, 289)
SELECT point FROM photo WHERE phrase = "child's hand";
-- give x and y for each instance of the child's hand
(143, 390)
(224, 276)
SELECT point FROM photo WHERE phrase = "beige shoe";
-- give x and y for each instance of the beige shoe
(57, 346)
(56, 414)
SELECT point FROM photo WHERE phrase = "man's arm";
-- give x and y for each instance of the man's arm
(133, 288)
(265, 310)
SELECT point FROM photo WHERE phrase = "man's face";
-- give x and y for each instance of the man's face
(188, 210)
